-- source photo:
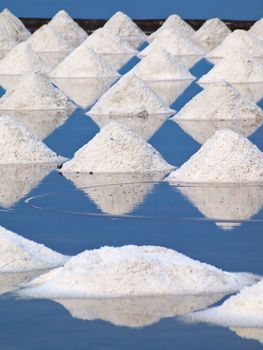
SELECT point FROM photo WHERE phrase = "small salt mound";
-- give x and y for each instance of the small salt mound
(46, 39)
(130, 96)
(235, 68)
(161, 65)
(22, 59)
(18, 254)
(257, 29)
(19, 146)
(226, 157)
(124, 27)
(117, 149)
(71, 32)
(35, 92)
(134, 271)
(219, 101)
(238, 41)
(13, 26)
(6, 42)
(213, 30)
(84, 63)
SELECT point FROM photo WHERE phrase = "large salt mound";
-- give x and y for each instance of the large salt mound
(161, 65)
(84, 63)
(219, 101)
(71, 32)
(13, 26)
(213, 30)
(225, 158)
(117, 149)
(22, 59)
(235, 68)
(257, 29)
(19, 146)
(6, 42)
(35, 92)
(18, 254)
(124, 27)
(130, 96)
(134, 271)
(238, 41)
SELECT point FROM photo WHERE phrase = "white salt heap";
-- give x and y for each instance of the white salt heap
(71, 32)
(117, 149)
(35, 92)
(6, 42)
(130, 96)
(161, 65)
(18, 254)
(134, 271)
(13, 26)
(257, 29)
(22, 59)
(84, 63)
(19, 146)
(213, 30)
(235, 68)
(219, 101)
(226, 157)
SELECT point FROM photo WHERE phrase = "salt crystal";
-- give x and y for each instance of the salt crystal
(6, 42)
(213, 30)
(13, 26)
(257, 29)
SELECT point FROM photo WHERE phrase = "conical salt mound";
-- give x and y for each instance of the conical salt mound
(46, 39)
(71, 32)
(13, 26)
(235, 68)
(84, 63)
(35, 92)
(161, 65)
(18, 254)
(239, 41)
(6, 42)
(117, 149)
(257, 29)
(124, 27)
(220, 101)
(19, 146)
(226, 157)
(130, 96)
(213, 30)
(22, 59)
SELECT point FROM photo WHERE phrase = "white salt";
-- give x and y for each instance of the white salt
(35, 92)
(130, 96)
(13, 26)
(134, 271)
(117, 149)
(213, 30)
(257, 29)
(18, 254)
(71, 32)
(19, 146)
(226, 157)
(6, 42)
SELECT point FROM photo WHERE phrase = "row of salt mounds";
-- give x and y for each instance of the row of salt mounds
(235, 68)
(161, 65)
(116, 149)
(19, 146)
(124, 27)
(6, 42)
(219, 101)
(84, 63)
(133, 270)
(226, 157)
(213, 30)
(13, 26)
(257, 29)
(22, 59)
(18, 254)
(70, 31)
(35, 92)
(130, 96)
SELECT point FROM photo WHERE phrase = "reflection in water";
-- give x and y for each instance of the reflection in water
(249, 333)
(189, 60)
(9, 81)
(9, 282)
(53, 58)
(209, 45)
(118, 60)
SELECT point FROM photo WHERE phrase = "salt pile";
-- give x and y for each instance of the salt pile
(6, 42)
(161, 65)
(213, 30)
(71, 32)
(225, 158)
(257, 29)
(84, 63)
(219, 101)
(19, 146)
(116, 149)
(124, 27)
(18, 254)
(9, 282)
(13, 26)
(130, 96)
(235, 68)
(35, 92)
(22, 59)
